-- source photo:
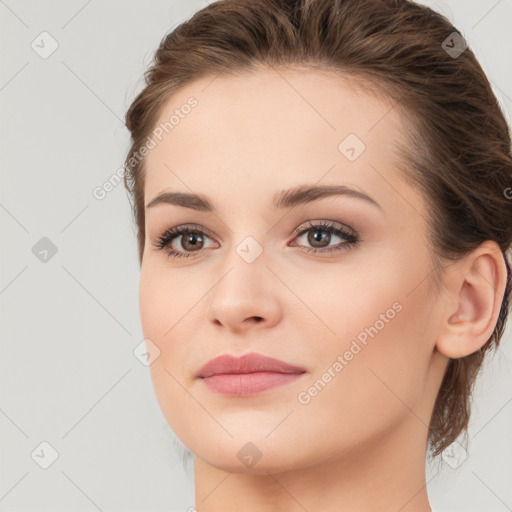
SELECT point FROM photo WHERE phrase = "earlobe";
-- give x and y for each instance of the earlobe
(477, 285)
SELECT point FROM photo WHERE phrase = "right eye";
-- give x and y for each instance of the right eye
(192, 240)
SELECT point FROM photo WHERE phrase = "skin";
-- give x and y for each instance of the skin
(360, 443)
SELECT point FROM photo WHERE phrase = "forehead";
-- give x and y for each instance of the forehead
(273, 128)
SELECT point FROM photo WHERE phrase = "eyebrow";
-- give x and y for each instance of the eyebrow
(301, 194)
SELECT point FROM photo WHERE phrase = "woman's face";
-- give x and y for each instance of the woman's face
(355, 311)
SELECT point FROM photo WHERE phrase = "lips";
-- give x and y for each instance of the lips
(248, 375)
(248, 363)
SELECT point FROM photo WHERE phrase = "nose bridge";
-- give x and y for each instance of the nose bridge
(247, 240)
(244, 268)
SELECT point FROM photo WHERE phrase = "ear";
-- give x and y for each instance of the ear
(475, 288)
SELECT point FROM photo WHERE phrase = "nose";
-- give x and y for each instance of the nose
(246, 296)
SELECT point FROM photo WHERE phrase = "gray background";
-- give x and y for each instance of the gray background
(68, 375)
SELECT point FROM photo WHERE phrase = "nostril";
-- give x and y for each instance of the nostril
(254, 319)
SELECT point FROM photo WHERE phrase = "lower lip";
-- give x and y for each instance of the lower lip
(248, 384)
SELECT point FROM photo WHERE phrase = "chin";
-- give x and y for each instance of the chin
(257, 457)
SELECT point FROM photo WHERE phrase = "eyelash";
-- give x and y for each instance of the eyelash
(352, 239)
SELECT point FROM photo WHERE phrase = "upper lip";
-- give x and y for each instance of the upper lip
(248, 363)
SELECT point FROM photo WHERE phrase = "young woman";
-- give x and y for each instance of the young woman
(322, 193)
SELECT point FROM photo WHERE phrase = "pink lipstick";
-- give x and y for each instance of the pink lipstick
(247, 375)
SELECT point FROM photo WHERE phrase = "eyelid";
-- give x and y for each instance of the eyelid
(310, 224)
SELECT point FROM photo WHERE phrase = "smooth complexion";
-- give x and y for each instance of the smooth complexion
(359, 444)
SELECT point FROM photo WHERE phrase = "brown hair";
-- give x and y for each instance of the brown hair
(458, 150)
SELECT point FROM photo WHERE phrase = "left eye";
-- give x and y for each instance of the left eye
(319, 236)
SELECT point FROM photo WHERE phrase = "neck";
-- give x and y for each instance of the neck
(385, 474)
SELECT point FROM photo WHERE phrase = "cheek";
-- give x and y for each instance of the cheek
(165, 299)
(163, 304)
(379, 388)
(170, 305)
(376, 339)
